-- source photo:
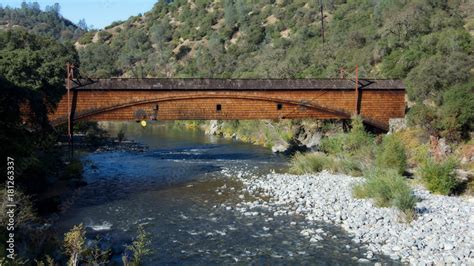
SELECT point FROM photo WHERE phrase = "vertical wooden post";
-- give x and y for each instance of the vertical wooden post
(70, 77)
(357, 92)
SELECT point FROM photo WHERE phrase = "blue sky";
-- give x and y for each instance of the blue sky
(99, 13)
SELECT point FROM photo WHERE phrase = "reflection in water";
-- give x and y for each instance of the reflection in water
(171, 190)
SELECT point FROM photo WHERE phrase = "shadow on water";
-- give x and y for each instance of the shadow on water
(172, 190)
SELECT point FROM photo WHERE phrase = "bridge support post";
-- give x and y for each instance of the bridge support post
(70, 124)
(357, 92)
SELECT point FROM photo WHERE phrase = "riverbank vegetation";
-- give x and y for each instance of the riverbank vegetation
(258, 132)
(138, 249)
(79, 251)
(439, 177)
(383, 161)
(388, 189)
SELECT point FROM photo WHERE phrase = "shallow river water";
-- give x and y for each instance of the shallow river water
(173, 188)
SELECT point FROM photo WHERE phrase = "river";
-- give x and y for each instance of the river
(183, 192)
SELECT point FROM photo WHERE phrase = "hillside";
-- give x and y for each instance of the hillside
(48, 23)
(222, 39)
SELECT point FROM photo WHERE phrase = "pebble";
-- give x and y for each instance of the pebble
(441, 233)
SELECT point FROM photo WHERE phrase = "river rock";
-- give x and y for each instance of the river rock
(442, 231)
(214, 128)
(280, 146)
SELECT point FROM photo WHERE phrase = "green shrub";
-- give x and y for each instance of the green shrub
(139, 248)
(104, 36)
(453, 118)
(333, 145)
(357, 138)
(391, 154)
(86, 38)
(309, 163)
(349, 166)
(365, 157)
(284, 134)
(388, 189)
(439, 177)
(74, 244)
(316, 162)
(350, 143)
(457, 111)
(114, 24)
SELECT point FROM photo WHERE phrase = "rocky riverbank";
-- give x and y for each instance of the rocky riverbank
(442, 233)
(282, 137)
(126, 145)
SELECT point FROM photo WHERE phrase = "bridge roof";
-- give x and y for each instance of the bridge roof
(235, 84)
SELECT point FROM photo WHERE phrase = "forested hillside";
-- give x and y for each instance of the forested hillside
(31, 73)
(48, 23)
(428, 43)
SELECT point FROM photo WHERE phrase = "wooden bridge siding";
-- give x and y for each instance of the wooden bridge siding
(206, 109)
(379, 105)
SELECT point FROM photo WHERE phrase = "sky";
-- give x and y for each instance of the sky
(98, 13)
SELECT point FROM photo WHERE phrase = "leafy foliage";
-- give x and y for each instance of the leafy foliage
(358, 142)
(74, 244)
(32, 71)
(308, 163)
(358, 138)
(139, 248)
(391, 154)
(94, 255)
(315, 162)
(100, 61)
(439, 177)
(454, 118)
(387, 188)
(333, 145)
(35, 63)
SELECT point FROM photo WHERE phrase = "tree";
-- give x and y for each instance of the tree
(32, 72)
(55, 8)
(457, 111)
(98, 61)
(74, 244)
(434, 74)
(161, 32)
(139, 248)
(35, 63)
(230, 14)
(82, 24)
(48, 23)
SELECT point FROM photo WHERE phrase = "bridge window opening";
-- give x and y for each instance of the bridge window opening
(279, 106)
(156, 107)
(218, 108)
